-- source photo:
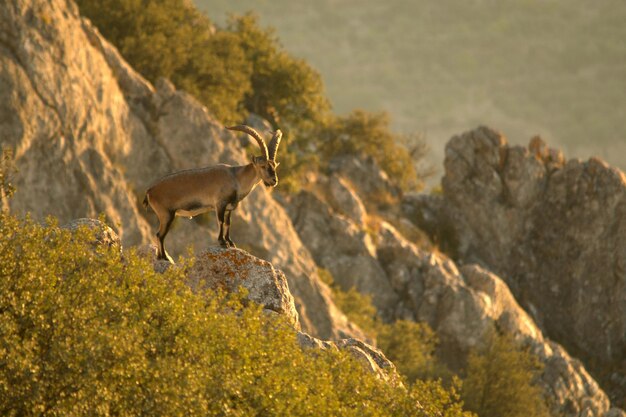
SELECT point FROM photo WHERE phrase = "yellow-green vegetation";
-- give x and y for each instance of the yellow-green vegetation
(366, 133)
(499, 381)
(500, 378)
(409, 345)
(85, 331)
(172, 39)
(241, 69)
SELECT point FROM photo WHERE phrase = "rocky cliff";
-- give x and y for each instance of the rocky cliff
(461, 303)
(552, 229)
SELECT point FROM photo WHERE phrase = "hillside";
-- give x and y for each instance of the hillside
(90, 134)
(530, 67)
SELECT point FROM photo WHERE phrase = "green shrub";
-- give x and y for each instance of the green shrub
(409, 345)
(359, 309)
(172, 39)
(500, 379)
(365, 133)
(84, 332)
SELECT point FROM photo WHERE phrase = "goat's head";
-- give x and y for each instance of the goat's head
(266, 164)
(266, 169)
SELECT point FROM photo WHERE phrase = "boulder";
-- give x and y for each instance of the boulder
(371, 358)
(231, 269)
(103, 234)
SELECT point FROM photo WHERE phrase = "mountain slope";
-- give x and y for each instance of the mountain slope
(90, 135)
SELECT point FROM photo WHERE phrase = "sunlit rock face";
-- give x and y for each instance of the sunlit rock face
(553, 230)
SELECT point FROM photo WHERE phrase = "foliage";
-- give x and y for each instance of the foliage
(365, 133)
(86, 332)
(500, 379)
(439, 401)
(409, 345)
(172, 39)
(287, 92)
(242, 67)
(359, 309)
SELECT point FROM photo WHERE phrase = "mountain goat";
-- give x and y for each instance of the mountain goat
(220, 187)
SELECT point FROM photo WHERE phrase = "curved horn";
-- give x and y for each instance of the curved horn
(274, 142)
(250, 131)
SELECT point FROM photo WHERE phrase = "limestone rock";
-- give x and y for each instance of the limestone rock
(343, 248)
(554, 230)
(346, 201)
(462, 304)
(229, 269)
(366, 176)
(368, 356)
(63, 112)
(104, 235)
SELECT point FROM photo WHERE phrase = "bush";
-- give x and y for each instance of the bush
(365, 133)
(500, 380)
(85, 333)
(409, 345)
(172, 39)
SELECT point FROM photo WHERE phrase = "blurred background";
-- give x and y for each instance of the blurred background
(554, 68)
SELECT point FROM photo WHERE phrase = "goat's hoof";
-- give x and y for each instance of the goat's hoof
(231, 244)
(224, 244)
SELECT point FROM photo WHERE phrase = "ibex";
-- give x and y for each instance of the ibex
(219, 187)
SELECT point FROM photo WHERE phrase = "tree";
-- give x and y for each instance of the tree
(285, 90)
(500, 381)
(365, 133)
(172, 39)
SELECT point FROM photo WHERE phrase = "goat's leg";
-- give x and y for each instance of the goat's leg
(165, 222)
(221, 211)
(227, 223)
